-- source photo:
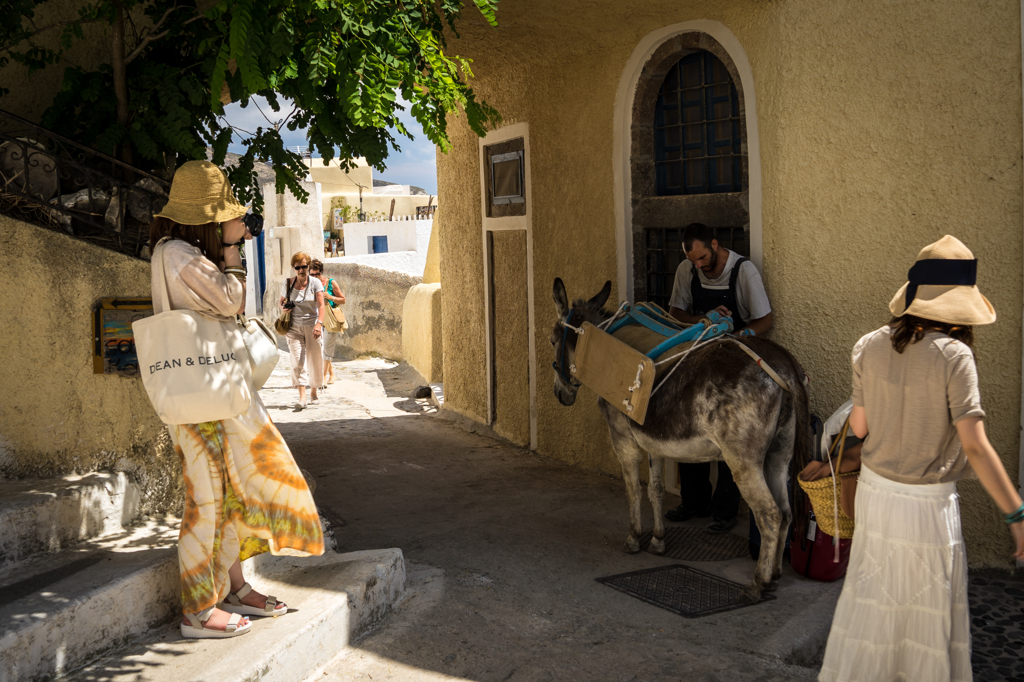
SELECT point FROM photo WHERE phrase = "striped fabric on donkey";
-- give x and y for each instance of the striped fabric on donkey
(717, 405)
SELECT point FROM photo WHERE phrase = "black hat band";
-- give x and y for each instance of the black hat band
(940, 272)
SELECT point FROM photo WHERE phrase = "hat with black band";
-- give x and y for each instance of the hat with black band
(942, 286)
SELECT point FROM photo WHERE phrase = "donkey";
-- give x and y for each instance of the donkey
(717, 405)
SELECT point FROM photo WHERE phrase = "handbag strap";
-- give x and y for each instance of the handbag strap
(158, 267)
(835, 482)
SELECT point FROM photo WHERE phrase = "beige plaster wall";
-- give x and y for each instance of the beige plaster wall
(882, 126)
(421, 330)
(56, 416)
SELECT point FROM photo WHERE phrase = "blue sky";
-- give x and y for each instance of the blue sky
(416, 164)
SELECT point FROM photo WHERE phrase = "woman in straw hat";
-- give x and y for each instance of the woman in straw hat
(244, 493)
(903, 610)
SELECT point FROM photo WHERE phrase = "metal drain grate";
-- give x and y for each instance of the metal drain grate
(690, 592)
(696, 544)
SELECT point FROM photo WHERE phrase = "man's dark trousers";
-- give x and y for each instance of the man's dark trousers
(695, 490)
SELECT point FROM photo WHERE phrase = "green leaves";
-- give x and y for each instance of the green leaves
(342, 63)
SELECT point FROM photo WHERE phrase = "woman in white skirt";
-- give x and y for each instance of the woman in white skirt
(903, 612)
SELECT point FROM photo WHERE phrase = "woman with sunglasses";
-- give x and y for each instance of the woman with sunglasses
(236, 469)
(305, 296)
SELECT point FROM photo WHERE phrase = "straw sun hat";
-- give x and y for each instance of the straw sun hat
(200, 194)
(942, 286)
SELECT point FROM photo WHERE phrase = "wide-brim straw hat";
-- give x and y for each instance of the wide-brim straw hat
(942, 286)
(200, 194)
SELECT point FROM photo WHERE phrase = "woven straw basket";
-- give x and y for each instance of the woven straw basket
(826, 492)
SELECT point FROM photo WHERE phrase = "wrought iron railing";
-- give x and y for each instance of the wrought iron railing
(51, 181)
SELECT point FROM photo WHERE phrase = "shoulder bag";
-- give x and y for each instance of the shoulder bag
(284, 323)
(261, 344)
(334, 319)
(194, 368)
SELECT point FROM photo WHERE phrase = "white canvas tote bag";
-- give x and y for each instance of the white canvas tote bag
(194, 368)
(261, 345)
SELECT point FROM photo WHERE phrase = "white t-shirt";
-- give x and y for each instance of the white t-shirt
(305, 310)
(750, 294)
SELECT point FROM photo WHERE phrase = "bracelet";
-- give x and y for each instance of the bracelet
(234, 244)
(1015, 517)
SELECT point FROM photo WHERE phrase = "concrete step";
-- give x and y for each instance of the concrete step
(40, 516)
(59, 611)
(332, 600)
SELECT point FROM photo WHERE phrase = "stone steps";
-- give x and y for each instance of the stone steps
(332, 600)
(41, 516)
(58, 611)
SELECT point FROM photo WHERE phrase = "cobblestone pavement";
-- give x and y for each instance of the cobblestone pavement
(997, 629)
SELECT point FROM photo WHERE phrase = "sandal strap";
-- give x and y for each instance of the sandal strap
(271, 605)
(235, 598)
(232, 623)
(197, 619)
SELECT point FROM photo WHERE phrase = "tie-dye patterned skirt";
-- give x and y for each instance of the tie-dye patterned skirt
(244, 496)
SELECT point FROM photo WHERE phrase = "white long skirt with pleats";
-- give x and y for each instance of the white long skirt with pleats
(903, 612)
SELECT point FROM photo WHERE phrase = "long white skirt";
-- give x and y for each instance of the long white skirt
(903, 612)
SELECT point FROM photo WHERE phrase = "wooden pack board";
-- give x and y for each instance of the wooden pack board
(609, 367)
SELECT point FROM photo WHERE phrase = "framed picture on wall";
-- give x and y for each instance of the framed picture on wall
(113, 339)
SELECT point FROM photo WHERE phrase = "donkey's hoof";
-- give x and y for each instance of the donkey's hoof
(632, 545)
(657, 546)
(771, 586)
(751, 594)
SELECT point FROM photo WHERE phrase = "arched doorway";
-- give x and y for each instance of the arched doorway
(665, 180)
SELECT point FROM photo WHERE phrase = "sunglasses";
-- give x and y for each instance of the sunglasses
(300, 267)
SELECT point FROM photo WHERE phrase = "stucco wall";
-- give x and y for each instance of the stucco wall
(56, 416)
(882, 127)
(421, 330)
(373, 309)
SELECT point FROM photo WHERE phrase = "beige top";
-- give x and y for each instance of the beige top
(912, 401)
(195, 283)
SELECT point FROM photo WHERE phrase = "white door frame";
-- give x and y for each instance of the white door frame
(524, 222)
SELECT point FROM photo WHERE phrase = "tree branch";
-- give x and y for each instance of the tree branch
(149, 33)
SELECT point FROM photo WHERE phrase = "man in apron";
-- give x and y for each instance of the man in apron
(714, 278)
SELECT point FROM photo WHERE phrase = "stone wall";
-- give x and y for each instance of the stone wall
(373, 308)
(56, 416)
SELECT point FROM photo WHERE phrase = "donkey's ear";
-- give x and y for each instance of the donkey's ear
(561, 299)
(602, 296)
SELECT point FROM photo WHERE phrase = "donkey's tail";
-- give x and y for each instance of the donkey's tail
(802, 437)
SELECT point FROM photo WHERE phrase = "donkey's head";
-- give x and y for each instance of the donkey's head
(564, 336)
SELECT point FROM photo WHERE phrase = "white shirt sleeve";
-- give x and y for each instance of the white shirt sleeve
(681, 297)
(750, 293)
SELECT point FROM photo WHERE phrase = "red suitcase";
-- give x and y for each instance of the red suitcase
(815, 559)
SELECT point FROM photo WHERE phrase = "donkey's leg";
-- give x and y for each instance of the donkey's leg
(631, 476)
(630, 456)
(749, 477)
(656, 493)
(776, 471)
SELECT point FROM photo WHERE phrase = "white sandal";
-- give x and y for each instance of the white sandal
(233, 604)
(197, 631)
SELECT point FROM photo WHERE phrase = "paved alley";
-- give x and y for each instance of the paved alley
(503, 548)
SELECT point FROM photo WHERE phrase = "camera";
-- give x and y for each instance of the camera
(288, 305)
(254, 223)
